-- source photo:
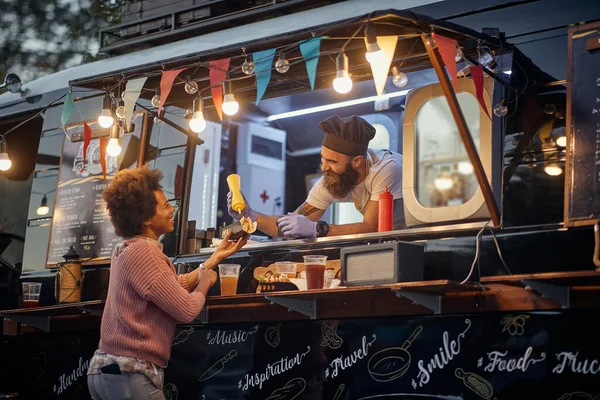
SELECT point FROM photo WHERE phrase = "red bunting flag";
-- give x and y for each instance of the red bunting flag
(477, 75)
(103, 144)
(217, 74)
(166, 83)
(87, 137)
(178, 181)
(447, 49)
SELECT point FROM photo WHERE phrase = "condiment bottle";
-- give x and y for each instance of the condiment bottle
(386, 211)
(237, 202)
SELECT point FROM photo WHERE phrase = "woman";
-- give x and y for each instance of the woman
(146, 298)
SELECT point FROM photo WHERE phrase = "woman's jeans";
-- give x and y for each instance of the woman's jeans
(124, 386)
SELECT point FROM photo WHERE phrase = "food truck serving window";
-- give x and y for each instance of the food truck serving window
(267, 147)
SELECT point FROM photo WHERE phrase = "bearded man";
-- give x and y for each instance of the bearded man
(351, 172)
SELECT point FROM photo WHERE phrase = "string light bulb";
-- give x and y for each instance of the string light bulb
(399, 79)
(500, 109)
(155, 101)
(43, 209)
(374, 54)
(282, 65)
(230, 106)
(106, 120)
(485, 58)
(197, 122)
(113, 148)
(561, 141)
(5, 162)
(342, 82)
(459, 54)
(120, 111)
(248, 67)
(191, 87)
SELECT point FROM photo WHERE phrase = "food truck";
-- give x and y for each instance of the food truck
(487, 291)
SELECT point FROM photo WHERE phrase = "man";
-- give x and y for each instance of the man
(351, 172)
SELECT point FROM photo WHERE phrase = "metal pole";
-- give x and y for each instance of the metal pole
(459, 118)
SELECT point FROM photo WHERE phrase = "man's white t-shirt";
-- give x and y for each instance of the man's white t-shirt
(384, 169)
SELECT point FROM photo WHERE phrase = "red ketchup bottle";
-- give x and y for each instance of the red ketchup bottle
(386, 211)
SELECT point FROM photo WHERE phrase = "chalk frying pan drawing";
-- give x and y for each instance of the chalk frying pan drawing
(393, 362)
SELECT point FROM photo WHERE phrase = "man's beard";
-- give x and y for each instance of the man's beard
(340, 185)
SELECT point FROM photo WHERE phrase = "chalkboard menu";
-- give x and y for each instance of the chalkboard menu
(495, 356)
(80, 218)
(582, 194)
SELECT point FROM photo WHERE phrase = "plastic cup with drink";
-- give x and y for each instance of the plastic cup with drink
(315, 271)
(31, 294)
(228, 278)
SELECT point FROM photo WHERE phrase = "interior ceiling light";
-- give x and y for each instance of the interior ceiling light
(333, 106)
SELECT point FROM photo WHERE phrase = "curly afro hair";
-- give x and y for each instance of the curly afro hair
(130, 199)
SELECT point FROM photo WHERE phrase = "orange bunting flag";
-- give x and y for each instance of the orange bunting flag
(447, 49)
(103, 144)
(166, 83)
(217, 74)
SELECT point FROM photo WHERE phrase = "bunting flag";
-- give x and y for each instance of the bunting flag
(447, 49)
(67, 109)
(103, 144)
(310, 50)
(87, 137)
(166, 83)
(132, 93)
(477, 75)
(546, 129)
(178, 181)
(380, 70)
(263, 63)
(217, 73)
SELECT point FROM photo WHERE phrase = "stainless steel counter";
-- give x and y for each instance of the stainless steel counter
(445, 231)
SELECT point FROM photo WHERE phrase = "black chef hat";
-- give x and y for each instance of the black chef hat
(348, 136)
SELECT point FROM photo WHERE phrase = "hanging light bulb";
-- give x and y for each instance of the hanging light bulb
(459, 54)
(553, 169)
(106, 119)
(5, 162)
(374, 54)
(248, 67)
(561, 141)
(230, 106)
(399, 79)
(500, 109)
(43, 209)
(123, 95)
(549, 108)
(197, 122)
(113, 148)
(342, 82)
(282, 65)
(156, 99)
(485, 58)
(191, 87)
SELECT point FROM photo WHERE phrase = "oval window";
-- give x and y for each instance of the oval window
(444, 176)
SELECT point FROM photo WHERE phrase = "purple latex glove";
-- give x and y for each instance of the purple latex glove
(246, 212)
(296, 225)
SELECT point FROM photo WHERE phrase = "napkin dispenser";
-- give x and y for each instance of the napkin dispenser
(377, 264)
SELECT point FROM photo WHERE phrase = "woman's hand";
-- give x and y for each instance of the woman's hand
(225, 249)
(206, 278)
